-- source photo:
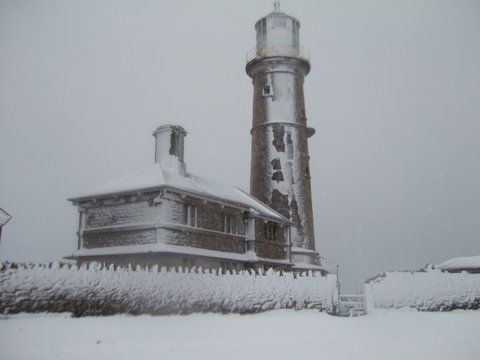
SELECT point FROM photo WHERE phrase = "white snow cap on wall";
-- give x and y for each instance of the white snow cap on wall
(460, 263)
(169, 148)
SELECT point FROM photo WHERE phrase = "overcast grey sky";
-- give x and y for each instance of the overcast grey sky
(394, 94)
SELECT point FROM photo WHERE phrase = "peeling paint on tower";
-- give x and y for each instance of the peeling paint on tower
(280, 171)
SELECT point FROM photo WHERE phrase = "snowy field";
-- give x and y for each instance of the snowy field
(282, 334)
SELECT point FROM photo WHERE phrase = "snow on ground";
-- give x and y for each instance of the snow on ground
(283, 334)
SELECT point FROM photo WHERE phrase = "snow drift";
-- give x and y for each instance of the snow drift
(430, 290)
(97, 290)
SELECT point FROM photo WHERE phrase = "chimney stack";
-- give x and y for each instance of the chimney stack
(169, 148)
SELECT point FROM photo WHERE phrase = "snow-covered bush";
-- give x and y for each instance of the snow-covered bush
(430, 290)
(97, 290)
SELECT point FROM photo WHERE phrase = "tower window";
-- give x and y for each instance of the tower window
(267, 90)
(295, 37)
(261, 28)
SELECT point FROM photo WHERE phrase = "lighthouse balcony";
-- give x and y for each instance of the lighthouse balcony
(277, 50)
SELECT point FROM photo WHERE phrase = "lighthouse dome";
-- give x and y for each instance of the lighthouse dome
(278, 35)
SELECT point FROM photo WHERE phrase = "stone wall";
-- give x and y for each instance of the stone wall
(269, 248)
(280, 158)
(171, 218)
(210, 215)
(199, 239)
(128, 220)
(131, 212)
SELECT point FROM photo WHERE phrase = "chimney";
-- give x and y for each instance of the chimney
(169, 148)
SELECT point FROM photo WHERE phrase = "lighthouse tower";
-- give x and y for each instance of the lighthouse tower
(280, 172)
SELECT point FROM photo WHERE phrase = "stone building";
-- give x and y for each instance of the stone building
(162, 215)
(280, 170)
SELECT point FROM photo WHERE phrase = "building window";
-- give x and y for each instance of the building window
(189, 215)
(270, 231)
(230, 224)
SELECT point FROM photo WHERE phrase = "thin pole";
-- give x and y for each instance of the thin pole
(338, 280)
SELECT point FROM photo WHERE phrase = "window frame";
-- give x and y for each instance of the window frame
(190, 215)
(270, 231)
(230, 224)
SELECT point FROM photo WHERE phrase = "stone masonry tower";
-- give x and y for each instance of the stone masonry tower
(280, 173)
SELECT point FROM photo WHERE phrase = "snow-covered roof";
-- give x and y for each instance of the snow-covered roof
(307, 266)
(4, 217)
(155, 177)
(300, 250)
(175, 249)
(469, 262)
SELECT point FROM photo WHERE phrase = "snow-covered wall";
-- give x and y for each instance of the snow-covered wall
(430, 290)
(101, 291)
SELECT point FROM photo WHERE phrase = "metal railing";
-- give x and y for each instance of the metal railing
(351, 305)
(257, 53)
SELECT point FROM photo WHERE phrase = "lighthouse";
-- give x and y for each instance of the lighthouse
(280, 171)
